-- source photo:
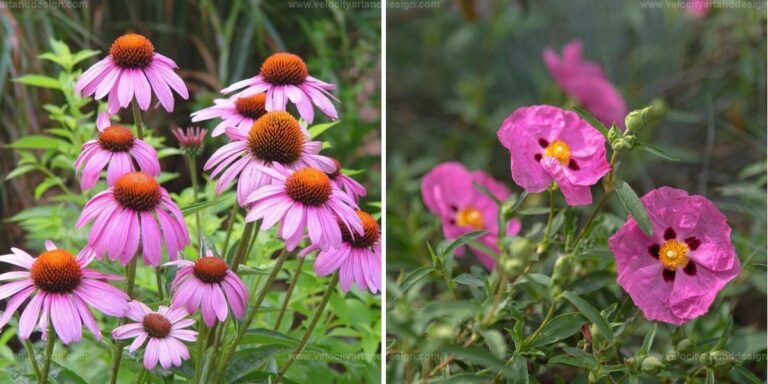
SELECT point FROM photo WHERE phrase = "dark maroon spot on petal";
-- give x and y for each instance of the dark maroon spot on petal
(572, 165)
(669, 234)
(692, 242)
(543, 143)
(454, 208)
(654, 250)
(690, 268)
(669, 276)
(537, 157)
(452, 222)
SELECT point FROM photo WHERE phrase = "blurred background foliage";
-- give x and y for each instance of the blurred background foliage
(455, 72)
(214, 44)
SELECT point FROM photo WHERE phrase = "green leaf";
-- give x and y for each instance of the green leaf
(39, 81)
(467, 279)
(561, 327)
(591, 313)
(251, 359)
(587, 362)
(192, 208)
(461, 240)
(648, 342)
(710, 376)
(743, 375)
(592, 120)
(61, 375)
(317, 130)
(633, 205)
(412, 278)
(519, 369)
(45, 185)
(723, 340)
(82, 55)
(20, 171)
(654, 150)
(481, 357)
(36, 142)
(495, 341)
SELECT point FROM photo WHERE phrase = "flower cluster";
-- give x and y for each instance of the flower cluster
(672, 274)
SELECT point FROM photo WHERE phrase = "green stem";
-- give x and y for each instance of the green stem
(48, 354)
(159, 280)
(201, 341)
(137, 119)
(243, 246)
(142, 375)
(117, 354)
(497, 298)
(230, 225)
(193, 177)
(550, 217)
(31, 356)
(532, 338)
(251, 314)
(288, 293)
(608, 186)
(318, 313)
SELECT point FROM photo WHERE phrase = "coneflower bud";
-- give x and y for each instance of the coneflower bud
(191, 139)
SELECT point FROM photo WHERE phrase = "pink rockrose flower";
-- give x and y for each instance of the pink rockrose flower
(284, 76)
(163, 331)
(275, 139)
(448, 192)
(236, 112)
(548, 144)
(585, 81)
(116, 149)
(674, 275)
(358, 259)
(300, 200)
(347, 184)
(61, 288)
(698, 8)
(127, 214)
(209, 284)
(132, 69)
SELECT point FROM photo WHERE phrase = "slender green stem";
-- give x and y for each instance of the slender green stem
(117, 354)
(497, 298)
(318, 313)
(202, 340)
(230, 225)
(289, 292)
(252, 313)
(245, 240)
(48, 354)
(532, 338)
(551, 216)
(142, 375)
(137, 119)
(31, 356)
(608, 186)
(159, 280)
(191, 160)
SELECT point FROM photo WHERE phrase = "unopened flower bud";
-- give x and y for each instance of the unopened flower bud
(651, 364)
(190, 139)
(563, 269)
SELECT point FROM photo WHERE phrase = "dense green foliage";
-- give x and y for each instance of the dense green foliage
(454, 76)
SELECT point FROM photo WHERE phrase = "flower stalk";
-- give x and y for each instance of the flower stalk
(289, 292)
(43, 378)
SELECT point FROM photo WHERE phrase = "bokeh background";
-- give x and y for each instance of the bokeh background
(214, 43)
(455, 72)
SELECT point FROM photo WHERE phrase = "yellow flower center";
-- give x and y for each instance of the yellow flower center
(673, 254)
(470, 217)
(559, 150)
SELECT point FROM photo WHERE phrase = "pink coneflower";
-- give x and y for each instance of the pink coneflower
(698, 8)
(118, 148)
(346, 183)
(275, 138)
(208, 284)
(237, 112)
(63, 288)
(358, 259)
(585, 81)
(303, 199)
(284, 76)
(190, 139)
(165, 330)
(549, 144)
(124, 216)
(132, 69)
(449, 191)
(675, 275)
